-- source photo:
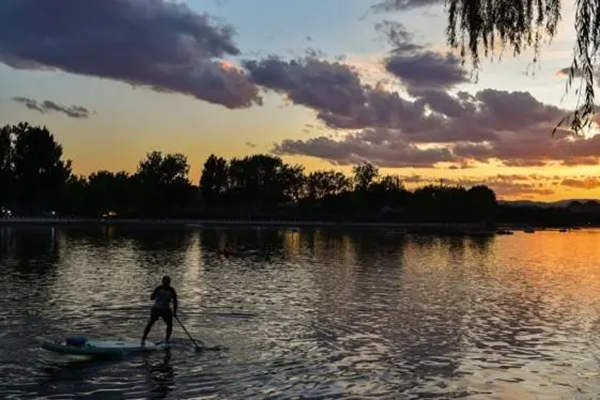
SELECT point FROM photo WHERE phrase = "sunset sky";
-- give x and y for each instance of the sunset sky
(324, 83)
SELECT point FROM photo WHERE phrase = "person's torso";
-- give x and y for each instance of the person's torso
(164, 295)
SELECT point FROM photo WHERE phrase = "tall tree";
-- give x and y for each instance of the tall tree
(157, 169)
(320, 184)
(40, 173)
(364, 174)
(6, 167)
(261, 180)
(214, 179)
(292, 182)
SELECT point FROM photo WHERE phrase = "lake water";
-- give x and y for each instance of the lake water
(305, 313)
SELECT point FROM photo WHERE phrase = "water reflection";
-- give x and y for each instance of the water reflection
(326, 313)
(161, 374)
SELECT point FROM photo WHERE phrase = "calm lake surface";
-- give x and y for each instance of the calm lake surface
(305, 313)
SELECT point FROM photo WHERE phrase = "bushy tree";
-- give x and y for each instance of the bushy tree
(482, 203)
(162, 186)
(260, 181)
(6, 167)
(214, 180)
(364, 174)
(34, 159)
(320, 184)
(109, 191)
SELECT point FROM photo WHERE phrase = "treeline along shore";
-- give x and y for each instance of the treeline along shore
(36, 182)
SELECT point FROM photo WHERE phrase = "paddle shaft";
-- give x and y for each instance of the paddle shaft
(187, 333)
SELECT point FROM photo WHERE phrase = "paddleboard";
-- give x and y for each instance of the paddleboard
(101, 347)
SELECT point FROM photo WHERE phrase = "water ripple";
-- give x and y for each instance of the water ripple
(318, 314)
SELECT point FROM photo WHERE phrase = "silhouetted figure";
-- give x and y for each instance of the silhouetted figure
(162, 296)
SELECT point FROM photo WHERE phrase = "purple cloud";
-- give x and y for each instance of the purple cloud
(330, 87)
(382, 147)
(491, 125)
(48, 105)
(397, 36)
(159, 44)
(426, 70)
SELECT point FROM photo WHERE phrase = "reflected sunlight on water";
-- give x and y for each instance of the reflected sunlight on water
(305, 313)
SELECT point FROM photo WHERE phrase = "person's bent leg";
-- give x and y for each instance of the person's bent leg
(147, 330)
(153, 318)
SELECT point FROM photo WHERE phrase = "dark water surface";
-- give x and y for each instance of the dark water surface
(305, 313)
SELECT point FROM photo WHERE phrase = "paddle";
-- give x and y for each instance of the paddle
(198, 348)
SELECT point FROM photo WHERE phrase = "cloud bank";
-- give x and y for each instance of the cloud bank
(437, 125)
(159, 44)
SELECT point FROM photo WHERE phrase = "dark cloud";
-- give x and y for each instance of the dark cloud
(251, 145)
(512, 127)
(401, 5)
(155, 43)
(48, 106)
(381, 147)
(383, 109)
(330, 87)
(29, 103)
(504, 110)
(437, 126)
(397, 36)
(427, 70)
(491, 124)
(335, 91)
(442, 102)
(534, 147)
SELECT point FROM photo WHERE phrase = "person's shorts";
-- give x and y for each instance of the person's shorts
(165, 314)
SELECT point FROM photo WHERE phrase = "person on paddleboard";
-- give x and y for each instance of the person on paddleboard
(162, 296)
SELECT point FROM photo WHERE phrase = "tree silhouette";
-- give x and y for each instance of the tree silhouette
(214, 179)
(108, 191)
(364, 174)
(35, 179)
(162, 184)
(75, 199)
(39, 172)
(320, 184)
(481, 203)
(292, 182)
(6, 167)
(261, 181)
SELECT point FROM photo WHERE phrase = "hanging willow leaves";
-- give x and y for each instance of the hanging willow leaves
(476, 26)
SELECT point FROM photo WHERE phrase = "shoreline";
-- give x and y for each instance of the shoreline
(464, 228)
